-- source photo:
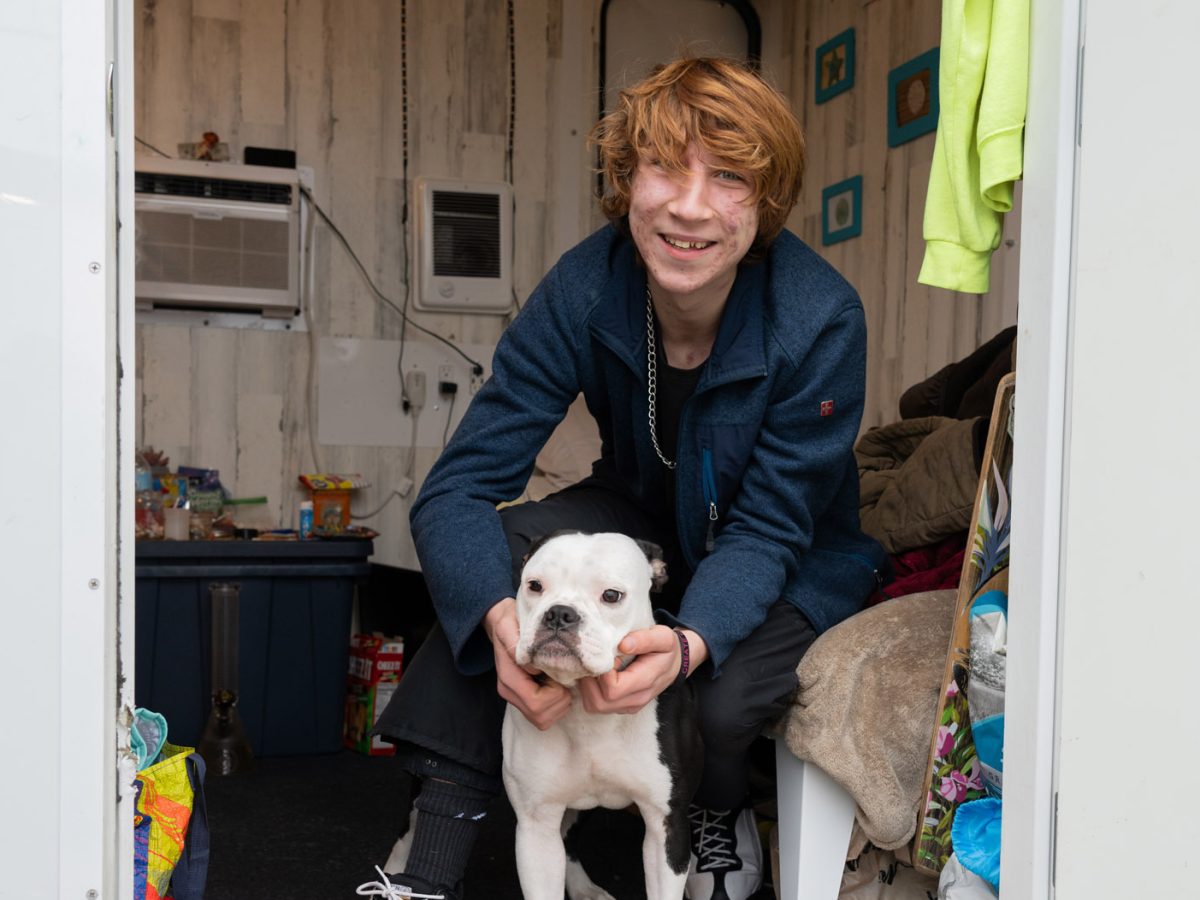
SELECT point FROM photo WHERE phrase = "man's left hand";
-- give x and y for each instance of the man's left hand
(652, 672)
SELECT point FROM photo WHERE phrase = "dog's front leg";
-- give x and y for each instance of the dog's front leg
(664, 880)
(541, 857)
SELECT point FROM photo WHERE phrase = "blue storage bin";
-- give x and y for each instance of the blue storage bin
(294, 629)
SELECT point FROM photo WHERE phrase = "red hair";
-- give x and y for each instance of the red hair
(725, 108)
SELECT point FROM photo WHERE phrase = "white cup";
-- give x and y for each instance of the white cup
(175, 523)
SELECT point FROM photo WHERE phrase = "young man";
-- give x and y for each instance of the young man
(724, 364)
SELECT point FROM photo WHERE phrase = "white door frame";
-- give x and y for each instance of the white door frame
(65, 532)
(1039, 450)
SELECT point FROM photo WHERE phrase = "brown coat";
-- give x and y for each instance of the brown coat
(917, 481)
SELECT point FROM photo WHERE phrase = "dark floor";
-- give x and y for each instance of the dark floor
(313, 828)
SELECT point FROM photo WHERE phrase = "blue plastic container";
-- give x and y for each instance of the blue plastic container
(294, 633)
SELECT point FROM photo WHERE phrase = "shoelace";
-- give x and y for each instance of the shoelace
(389, 891)
(714, 839)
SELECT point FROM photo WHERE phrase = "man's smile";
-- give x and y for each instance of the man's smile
(686, 244)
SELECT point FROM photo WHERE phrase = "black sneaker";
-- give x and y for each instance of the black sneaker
(405, 887)
(726, 855)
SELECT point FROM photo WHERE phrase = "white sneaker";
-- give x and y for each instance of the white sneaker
(414, 889)
(726, 855)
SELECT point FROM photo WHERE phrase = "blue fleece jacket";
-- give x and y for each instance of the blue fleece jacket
(765, 443)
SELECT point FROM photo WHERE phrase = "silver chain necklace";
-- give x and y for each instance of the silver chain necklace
(652, 376)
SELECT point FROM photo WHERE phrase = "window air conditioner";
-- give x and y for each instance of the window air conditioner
(464, 246)
(216, 236)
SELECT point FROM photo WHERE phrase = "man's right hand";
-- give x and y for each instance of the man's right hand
(541, 704)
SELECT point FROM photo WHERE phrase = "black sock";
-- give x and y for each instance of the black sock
(448, 820)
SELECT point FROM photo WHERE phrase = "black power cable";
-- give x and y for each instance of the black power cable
(167, 155)
(476, 366)
(512, 89)
(404, 232)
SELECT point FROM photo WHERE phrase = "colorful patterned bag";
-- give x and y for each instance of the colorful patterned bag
(954, 774)
(170, 828)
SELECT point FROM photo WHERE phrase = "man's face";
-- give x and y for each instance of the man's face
(692, 229)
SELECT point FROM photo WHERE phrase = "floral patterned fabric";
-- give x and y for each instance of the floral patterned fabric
(954, 773)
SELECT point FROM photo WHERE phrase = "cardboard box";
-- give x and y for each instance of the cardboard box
(331, 511)
(376, 664)
(330, 496)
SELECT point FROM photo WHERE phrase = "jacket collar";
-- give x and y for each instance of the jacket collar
(619, 320)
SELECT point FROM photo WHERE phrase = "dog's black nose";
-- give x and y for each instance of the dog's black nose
(560, 618)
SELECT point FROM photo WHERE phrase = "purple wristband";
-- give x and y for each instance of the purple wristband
(685, 660)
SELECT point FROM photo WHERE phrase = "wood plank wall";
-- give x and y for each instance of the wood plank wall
(913, 330)
(324, 77)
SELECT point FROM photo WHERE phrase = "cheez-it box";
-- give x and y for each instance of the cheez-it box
(376, 663)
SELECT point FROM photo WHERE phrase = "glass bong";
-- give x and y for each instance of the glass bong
(224, 745)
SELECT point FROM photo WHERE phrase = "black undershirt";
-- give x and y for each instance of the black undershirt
(674, 388)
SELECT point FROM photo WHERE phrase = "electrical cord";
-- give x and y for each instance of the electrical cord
(409, 466)
(151, 146)
(512, 128)
(306, 295)
(476, 366)
(449, 419)
(405, 400)
(392, 495)
(512, 89)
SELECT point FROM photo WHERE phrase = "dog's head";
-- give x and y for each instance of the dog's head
(580, 594)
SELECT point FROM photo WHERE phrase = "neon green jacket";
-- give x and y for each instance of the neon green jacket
(983, 86)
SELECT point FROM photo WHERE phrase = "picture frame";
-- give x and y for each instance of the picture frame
(841, 211)
(834, 62)
(913, 98)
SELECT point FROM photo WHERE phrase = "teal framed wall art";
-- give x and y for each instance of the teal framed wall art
(835, 66)
(841, 211)
(913, 98)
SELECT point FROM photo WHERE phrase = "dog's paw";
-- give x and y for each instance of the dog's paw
(594, 892)
(580, 887)
(397, 860)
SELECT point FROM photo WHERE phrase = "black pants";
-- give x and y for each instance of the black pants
(447, 724)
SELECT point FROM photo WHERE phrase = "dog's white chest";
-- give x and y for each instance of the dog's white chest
(587, 760)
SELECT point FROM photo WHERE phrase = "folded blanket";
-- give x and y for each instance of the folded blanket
(865, 708)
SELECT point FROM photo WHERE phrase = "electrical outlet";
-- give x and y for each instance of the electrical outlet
(476, 383)
(414, 386)
(446, 372)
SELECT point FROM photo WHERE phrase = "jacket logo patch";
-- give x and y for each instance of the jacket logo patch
(827, 407)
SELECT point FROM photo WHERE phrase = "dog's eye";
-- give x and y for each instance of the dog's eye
(535, 586)
(611, 596)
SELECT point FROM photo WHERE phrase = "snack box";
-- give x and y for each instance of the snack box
(376, 663)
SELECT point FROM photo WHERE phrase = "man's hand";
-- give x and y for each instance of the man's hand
(651, 673)
(541, 704)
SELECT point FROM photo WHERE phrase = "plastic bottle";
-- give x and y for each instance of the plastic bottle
(306, 519)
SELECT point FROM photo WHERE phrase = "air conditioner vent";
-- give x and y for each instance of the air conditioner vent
(466, 235)
(464, 246)
(170, 185)
(216, 236)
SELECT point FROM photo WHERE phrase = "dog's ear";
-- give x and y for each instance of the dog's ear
(658, 566)
(536, 544)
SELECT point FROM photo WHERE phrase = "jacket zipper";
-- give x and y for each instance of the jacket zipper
(858, 557)
(710, 497)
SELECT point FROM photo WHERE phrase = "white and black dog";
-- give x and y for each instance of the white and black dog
(580, 594)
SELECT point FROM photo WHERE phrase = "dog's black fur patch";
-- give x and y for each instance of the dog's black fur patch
(681, 750)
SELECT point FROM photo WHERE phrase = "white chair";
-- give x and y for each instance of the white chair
(816, 817)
